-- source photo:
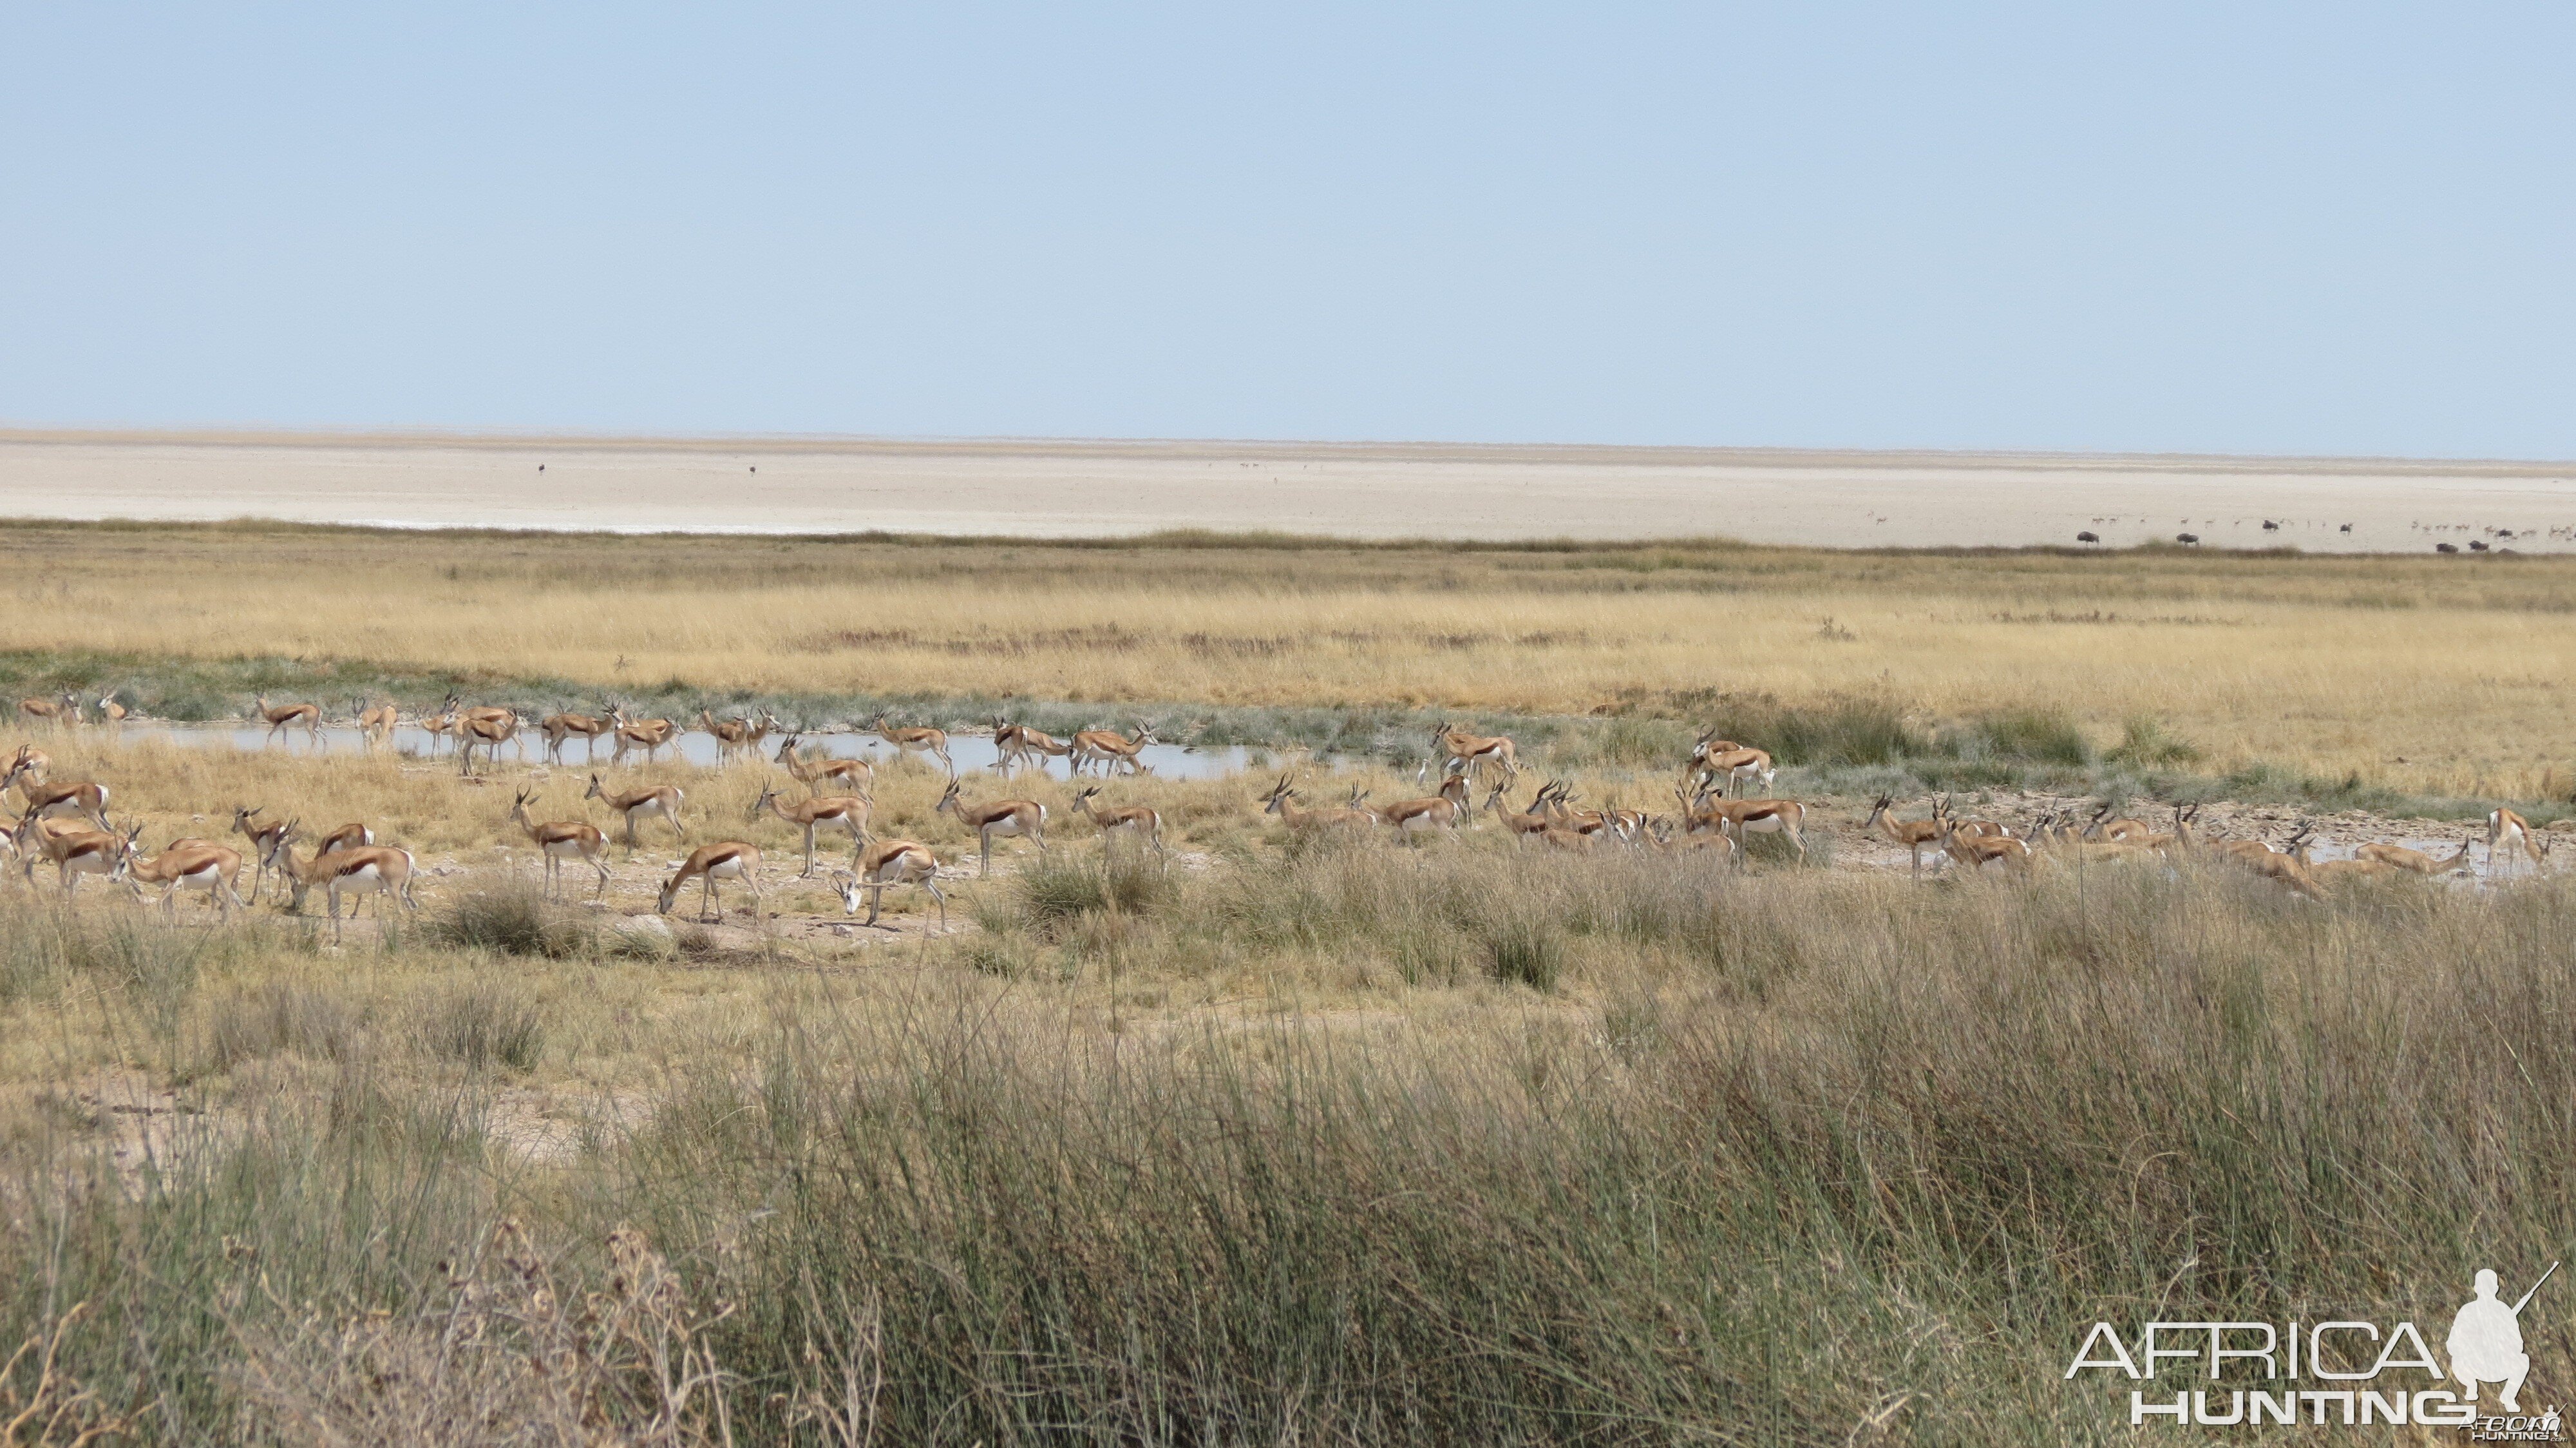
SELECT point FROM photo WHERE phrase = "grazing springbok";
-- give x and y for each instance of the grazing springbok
(662, 800)
(561, 840)
(855, 775)
(724, 860)
(184, 865)
(376, 723)
(915, 740)
(378, 870)
(996, 817)
(848, 812)
(1133, 820)
(282, 717)
(886, 863)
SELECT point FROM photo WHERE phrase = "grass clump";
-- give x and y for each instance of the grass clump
(487, 1024)
(511, 918)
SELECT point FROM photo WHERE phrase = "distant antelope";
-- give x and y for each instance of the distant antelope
(183, 865)
(438, 726)
(61, 712)
(726, 860)
(887, 863)
(556, 728)
(1282, 801)
(847, 812)
(1696, 773)
(2116, 831)
(376, 723)
(112, 714)
(282, 717)
(2286, 867)
(2504, 827)
(378, 870)
(856, 775)
(996, 817)
(1139, 821)
(652, 801)
(561, 840)
(1451, 744)
(915, 740)
(2398, 857)
(1110, 751)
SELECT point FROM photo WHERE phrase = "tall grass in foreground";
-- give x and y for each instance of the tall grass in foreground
(1787, 1157)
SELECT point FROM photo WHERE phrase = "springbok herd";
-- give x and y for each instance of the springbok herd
(66, 823)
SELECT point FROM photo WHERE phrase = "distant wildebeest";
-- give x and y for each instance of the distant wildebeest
(2271, 527)
(2445, 548)
(2088, 538)
(2186, 538)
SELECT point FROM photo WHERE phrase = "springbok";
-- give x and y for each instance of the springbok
(2398, 857)
(379, 870)
(282, 717)
(648, 735)
(184, 865)
(914, 740)
(855, 775)
(1446, 810)
(996, 817)
(72, 852)
(724, 860)
(1112, 752)
(1523, 827)
(737, 738)
(1282, 801)
(2506, 827)
(1912, 834)
(77, 796)
(1450, 745)
(886, 863)
(561, 840)
(376, 723)
(556, 728)
(663, 800)
(61, 712)
(848, 812)
(1136, 820)
(1740, 817)
(113, 715)
(1018, 745)
(487, 733)
(263, 842)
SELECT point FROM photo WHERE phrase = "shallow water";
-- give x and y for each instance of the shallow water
(969, 751)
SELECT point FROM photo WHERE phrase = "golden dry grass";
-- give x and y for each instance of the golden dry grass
(2444, 676)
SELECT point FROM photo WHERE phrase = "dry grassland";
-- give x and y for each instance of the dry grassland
(2428, 675)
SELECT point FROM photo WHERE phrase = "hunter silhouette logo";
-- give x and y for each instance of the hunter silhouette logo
(2486, 1340)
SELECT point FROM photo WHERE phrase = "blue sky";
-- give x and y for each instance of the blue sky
(2339, 229)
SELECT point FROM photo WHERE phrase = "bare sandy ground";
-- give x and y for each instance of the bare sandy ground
(1058, 489)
